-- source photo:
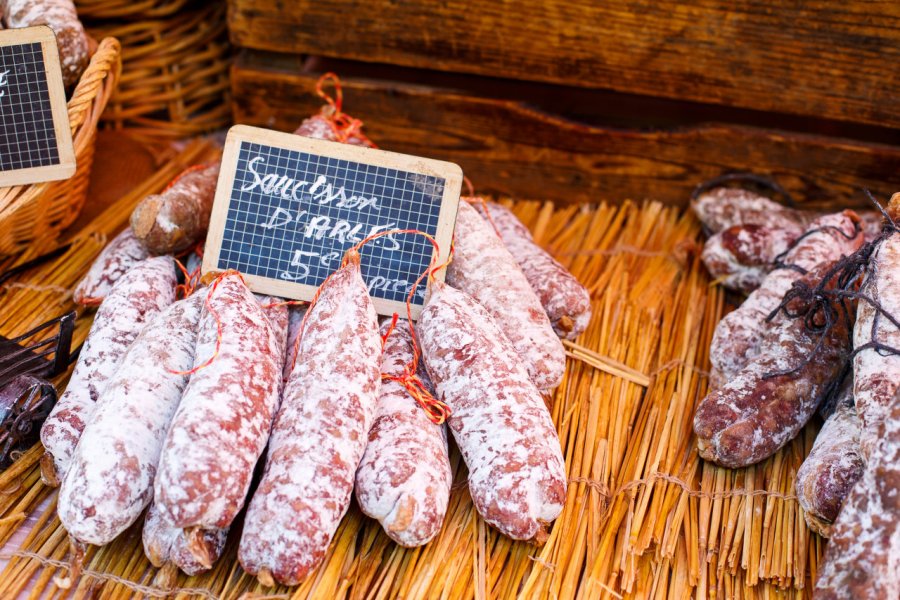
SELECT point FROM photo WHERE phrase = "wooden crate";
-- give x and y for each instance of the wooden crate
(581, 101)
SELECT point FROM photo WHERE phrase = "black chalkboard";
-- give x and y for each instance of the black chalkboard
(35, 138)
(287, 208)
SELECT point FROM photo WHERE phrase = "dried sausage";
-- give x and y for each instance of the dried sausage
(319, 434)
(139, 295)
(517, 475)
(483, 268)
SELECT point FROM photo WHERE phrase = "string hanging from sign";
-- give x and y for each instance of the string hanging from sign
(344, 126)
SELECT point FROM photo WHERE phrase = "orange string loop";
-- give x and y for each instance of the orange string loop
(212, 311)
(487, 210)
(342, 125)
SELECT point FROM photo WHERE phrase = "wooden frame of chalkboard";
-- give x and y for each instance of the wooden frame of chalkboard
(36, 139)
(287, 207)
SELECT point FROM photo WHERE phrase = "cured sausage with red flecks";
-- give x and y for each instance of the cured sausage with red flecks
(566, 302)
(517, 475)
(862, 557)
(738, 335)
(119, 256)
(404, 477)
(877, 371)
(724, 207)
(766, 404)
(319, 434)
(833, 466)
(165, 544)
(483, 268)
(110, 481)
(177, 218)
(139, 295)
(222, 423)
(741, 256)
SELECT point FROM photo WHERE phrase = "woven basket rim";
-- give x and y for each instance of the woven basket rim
(87, 102)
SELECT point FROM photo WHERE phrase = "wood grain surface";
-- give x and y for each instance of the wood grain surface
(508, 147)
(831, 59)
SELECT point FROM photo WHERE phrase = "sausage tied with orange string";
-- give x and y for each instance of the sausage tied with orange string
(319, 434)
(223, 421)
(404, 477)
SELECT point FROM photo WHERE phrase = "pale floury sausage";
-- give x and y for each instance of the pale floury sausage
(404, 478)
(877, 372)
(139, 295)
(319, 434)
(222, 423)
(119, 256)
(517, 475)
(483, 268)
(110, 481)
(566, 302)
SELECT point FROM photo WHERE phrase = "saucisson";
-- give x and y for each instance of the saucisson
(738, 335)
(833, 466)
(319, 434)
(724, 207)
(483, 268)
(404, 477)
(877, 372)
(177, 218)
(766, 404)
(110, 481)
(165, 543)
(741, 256)
(61, 17)
(517, 475)
(119, 256)
(222, 422)
(139, 295)
(862, 558)
(566, 302)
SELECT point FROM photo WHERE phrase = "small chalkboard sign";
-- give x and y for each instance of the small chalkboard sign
(35, 138)
(288, 207)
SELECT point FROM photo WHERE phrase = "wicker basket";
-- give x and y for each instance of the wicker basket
(175, 82)
(37, 213)
(128, 9)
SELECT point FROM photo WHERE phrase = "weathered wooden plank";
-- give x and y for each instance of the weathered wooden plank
(509, 148)
(825, 58)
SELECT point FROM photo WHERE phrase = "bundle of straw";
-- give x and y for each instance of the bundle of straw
(645, 517)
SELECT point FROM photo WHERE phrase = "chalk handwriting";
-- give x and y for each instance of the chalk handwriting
(3, 82)
(321, 190)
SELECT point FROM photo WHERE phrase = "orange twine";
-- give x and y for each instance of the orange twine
(437, 410)
(343, 125)
(212, 311)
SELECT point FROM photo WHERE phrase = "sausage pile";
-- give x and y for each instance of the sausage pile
(176, 403)
(820, 329)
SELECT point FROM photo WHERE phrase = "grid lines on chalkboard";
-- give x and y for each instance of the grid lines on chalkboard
(293, 214)
(27, 135)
